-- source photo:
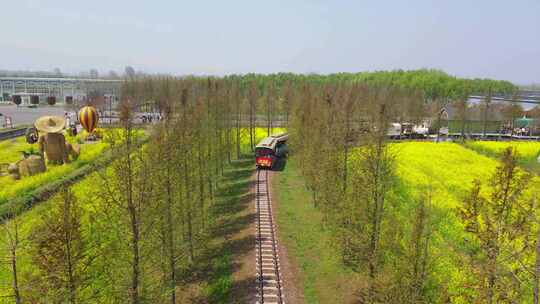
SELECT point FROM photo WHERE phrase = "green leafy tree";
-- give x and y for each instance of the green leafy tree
(498, 222)
(59, 252)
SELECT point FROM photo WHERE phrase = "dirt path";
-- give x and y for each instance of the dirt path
(244, 260)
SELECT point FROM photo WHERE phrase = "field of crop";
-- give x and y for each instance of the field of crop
(448, 168)
(11, 151)
(528, 150)
(13, 188)
(445, 169)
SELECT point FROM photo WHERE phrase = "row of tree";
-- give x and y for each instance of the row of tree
(387, 236)
(354, 192)
(140, 230)
(434, 84)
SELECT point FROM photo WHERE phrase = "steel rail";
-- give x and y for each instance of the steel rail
(269, 281)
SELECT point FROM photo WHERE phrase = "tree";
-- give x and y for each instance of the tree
(462, 107)
(127, 190)
(13, 243)
(167, 201)
(511, 112)
(498, 223)
(417, 260)
(536, 271)
(269, 108)
(129, 72)
(252, 100)
(487, 102)
(378, 166)
(113, 75)
(94, 74)
(59, 251)
(371, 181)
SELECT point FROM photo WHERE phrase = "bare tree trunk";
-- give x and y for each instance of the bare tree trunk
(251, 123)
(238, 104)
(13, 242)
(201, 169)
(135, 251)
(537, 269)
(486, 109)
(187, 182)
(490, 287)
(170, 236)
(15, 281)
(67, 240)
(189, 215)
(346, 149)
(268, 111)
(134, 224)
(377, 208)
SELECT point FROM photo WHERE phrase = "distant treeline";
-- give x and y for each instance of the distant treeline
(434, 84)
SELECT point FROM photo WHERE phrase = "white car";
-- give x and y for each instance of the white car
(394, 130)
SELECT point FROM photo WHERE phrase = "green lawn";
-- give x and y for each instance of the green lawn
(309, 245)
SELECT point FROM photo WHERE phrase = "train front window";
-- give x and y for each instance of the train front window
(263, 152)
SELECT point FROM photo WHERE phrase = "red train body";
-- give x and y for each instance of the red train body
(269, 149)
(264, 161)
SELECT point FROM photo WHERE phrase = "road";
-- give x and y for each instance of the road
(27, 116)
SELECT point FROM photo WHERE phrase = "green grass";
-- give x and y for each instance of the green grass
(11, 149)
(323, 278)
(230, 212)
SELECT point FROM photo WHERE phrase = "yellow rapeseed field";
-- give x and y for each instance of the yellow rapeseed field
(528, 150)
(11, 151)
(448, 169)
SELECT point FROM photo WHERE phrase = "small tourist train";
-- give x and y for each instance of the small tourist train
(270, 149)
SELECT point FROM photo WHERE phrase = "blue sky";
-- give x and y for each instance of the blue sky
(470, 38)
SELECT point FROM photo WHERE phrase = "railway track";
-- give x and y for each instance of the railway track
(269, 283)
